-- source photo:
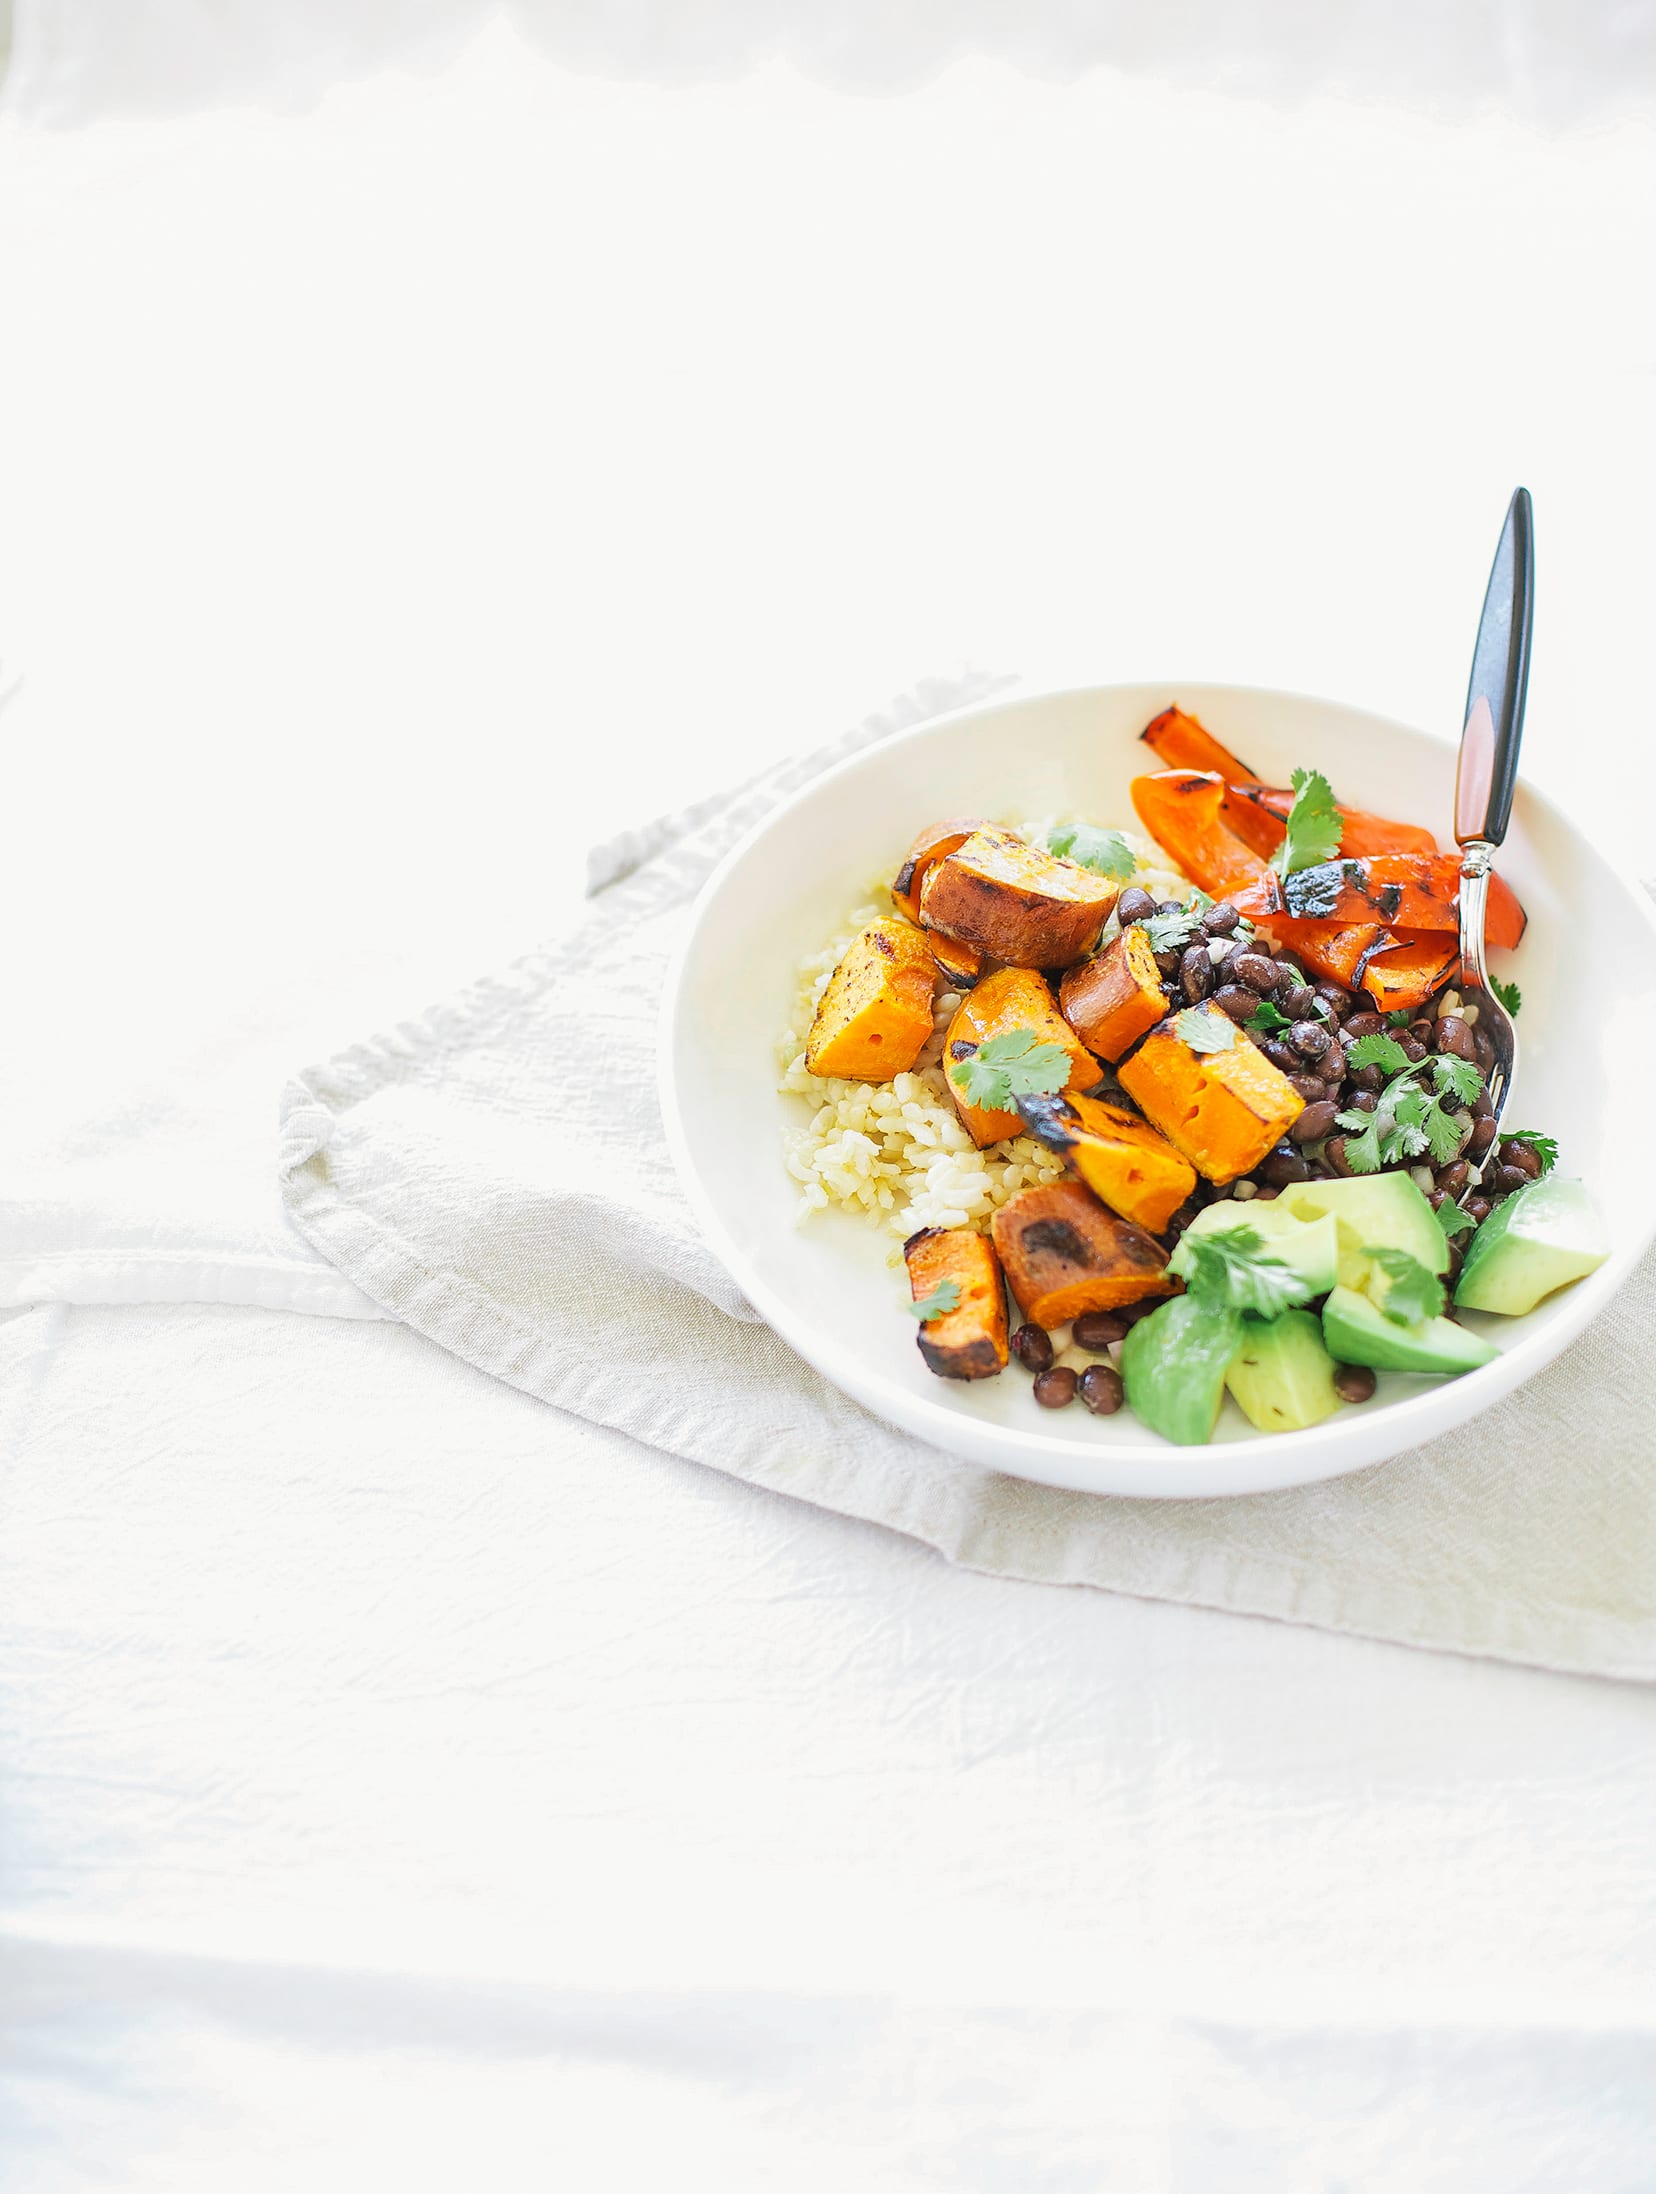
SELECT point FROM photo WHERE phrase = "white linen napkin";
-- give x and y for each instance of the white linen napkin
(495, 1175)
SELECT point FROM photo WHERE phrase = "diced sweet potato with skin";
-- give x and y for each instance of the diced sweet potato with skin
(1011, 998)
(961, 966)
(1406, 973)
(1018, 904)
(1334, 949)
(1112, 999)
(1121, 1158)
(1063, 1254)
(968, 1342)
(936, 840)
(1224, 1109)
(875, 1017)
(1180, 808)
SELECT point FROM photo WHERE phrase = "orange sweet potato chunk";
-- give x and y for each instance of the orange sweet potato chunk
(1113, 999)
(932, 844)
(1121, 1158)
(1224, 1109)
(968, 1342)
(876, 1014)
(1011, 998)
(1063, 1254)
(1018, 904)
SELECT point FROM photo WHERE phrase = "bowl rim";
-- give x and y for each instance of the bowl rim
(1354, 1440)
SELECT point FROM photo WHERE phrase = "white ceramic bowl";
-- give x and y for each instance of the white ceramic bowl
(1587, 1073)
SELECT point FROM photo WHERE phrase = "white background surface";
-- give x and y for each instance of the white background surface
(401, 1783)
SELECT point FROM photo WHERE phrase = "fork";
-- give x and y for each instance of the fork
(1486, 774)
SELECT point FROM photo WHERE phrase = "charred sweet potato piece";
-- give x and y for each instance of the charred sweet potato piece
(1113, 998)
(968, 1342)
(1334, 949)
(1406, 972)
(876, 1014)
(936, 840)
(1020, 905)
(1225, 1109)
(1401, 891)
(1121, 1158)
(1180, 808)
(1011, 998)
(1063, 1253)
(1178, 741)
(960, 965)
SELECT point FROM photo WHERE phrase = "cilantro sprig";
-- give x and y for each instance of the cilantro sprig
(1005, 1068)
(1205, 1031)
(1544, 1146)
(1314, 825)
(942, 1299)
(1453, 1220)
(1172, 931)
(1408, 1121)
(1231, 1269)
(1266, 1020)
(1415, 1294)
(1106, 852)
(1508, 993)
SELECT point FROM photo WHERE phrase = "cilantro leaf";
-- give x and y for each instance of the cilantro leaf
(1313, 834)
(1230, 1269)
(1453, 1220)
(942, 1299)
(1362, 1146)
(1171, 932)
(1379, 1050)
(1508, 993)
(1105, 852)
(1008, 1067)
(1266, 1019)
(1205, 1031)
(1457, 1078)
(1400, 1018)
(1415, 1294)
(1544, 1147)
(1443, 1133)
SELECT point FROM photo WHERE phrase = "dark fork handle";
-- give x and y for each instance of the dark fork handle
(1494, 729)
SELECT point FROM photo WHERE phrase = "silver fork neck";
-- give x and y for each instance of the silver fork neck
(1476, 856)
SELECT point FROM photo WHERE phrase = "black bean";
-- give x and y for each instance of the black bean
(1372, 1079)
(1135, 905)
(1240, 1004)
(1032, 1346)
(1483, 1134)
(1453, 1177)
(1314, 1123)
(1102, 1390)
(1453, 1035)
(1286, 1061)
(1098, 1329)
(1339, 998)
(1219, 921)
(1477, 1209)
(1334, 1156)
(1172, 906)
(1332, 1065)
(1167, 966)
(1131, 1313)
(1308, 1087)
(1437, 1198)
(1353, 1382)
(1256, 971)
(1362, 1100)
(1309, 1038)
(1288, 969)
(1422, 1026)
(1285, 1166)
(1297, 1000)
(1268, 1194)
(1055, 1389)
(1196, 974)
(1362, 1024)
(1508, 1180)
(1483, 1106)
(1522, 1158)
(1412, 1049)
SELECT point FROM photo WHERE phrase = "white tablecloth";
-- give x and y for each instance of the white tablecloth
(402, 1784)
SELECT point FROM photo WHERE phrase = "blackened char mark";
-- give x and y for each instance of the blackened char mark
(1056, 1238)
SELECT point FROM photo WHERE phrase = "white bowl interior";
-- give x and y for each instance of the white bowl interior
(1586, 1070)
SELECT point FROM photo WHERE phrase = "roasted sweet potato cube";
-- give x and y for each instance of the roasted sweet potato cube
(968, 1342)
(1224, 1108)
(1121, 1158)
(876, 1014)
(1015, 902)
(1011, 998)
(1063, 1253)
(1406, 972)
(930, 847)
(1114, 998)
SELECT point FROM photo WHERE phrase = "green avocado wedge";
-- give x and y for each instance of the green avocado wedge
(1355, 1331)
(1282, 1376)
(1173, 1365)
(1540, 1239)
(1309, 1247)
(1373, 1211)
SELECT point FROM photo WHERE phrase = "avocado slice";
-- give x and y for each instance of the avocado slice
(1173, 1365)
(1357, 1331)
(1373, 1211)
(1282, 1375)
(1310, 1247)
(1540, 1239)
